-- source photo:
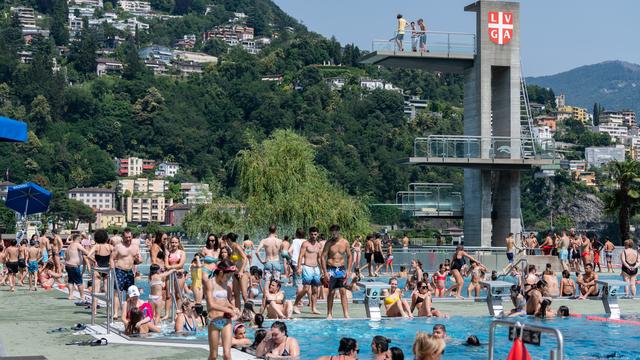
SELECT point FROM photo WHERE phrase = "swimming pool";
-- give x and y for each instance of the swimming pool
(584, 339)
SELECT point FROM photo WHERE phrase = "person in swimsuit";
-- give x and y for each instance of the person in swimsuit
(421, 299)
(221, 311)
(123, 258)
(57, 251)
(440, 281)
(587, 284)
(476, 271)
(272, 247)
(34, 255)
(286, 257)
(347, 350)
(139, 324)
(428, 347)
(597, 246)
(389, 262)
(394, 304)
(550, 277)
(368, 254)
(48, 276)
(255, 282)
(240, 336)
(134, 302)
(101, 253)
(518, 301)
(585, 251)
(3, 271)
(335, 271)
(175, 259)
(380, 347)
(309, 270)
(356, 250)
(187, 322)
(278, 344)
(158, 249)
(378, 258)
(241, 277)
(608, 253)
(274, 302)
(415, 275)
(73, 261)
(210, 253)
(248, 246)
(547, 245)
(157, 281)
(630, 264)
(23, 250)
(457, 264)
(567, 285)
(11, 261)
(195, 270)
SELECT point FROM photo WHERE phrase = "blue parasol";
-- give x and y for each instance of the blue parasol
(28, 198)
(12, 130)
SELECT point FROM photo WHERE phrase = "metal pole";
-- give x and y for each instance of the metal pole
(109, 300)
(492, 329)
(93, 296)
(173, 297)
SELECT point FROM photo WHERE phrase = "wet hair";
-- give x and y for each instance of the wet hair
(258, 319)
(473, 340)
(280, 325)
(381, 343)
(246, 237)
(426, 346)
(272, 228)
(277, 283)
(396, 353)
(548, 266)
(589, 265)
(541, 284)
(258, 337)
(563, 310)
(566, 274)
(441, 327)
(101, 236)
(347, 345)
(334, 227)
(212, 244)
(546, 303)
(153, 269)
(494, 275)
(257, 272)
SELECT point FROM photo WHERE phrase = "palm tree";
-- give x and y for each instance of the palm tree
(624, 196)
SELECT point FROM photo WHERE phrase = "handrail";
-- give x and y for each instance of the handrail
(558, 354)
(438, 42)
(109, 295)
(474, 146)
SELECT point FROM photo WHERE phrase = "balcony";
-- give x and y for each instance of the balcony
(445, 51)
(495, 152)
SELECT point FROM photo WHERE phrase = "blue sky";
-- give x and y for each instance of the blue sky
(557, 35)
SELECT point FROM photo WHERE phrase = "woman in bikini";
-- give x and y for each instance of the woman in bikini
(347, 350)
(416, 275)
(629, 261)
(356, 251)
(210, 253)
(440, 281)
(394, 304)
(158, 247)
(174, 259)
(457, 264)
(157, 281)
(421, 299)
(476, 271)
(275, 304)
(567, 285)
(277, 344)
(255, 282)
(221, 312)
(187, 322)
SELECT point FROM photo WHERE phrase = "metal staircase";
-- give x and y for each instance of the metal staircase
(526, 123)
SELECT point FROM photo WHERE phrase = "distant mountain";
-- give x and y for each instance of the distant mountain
(614, 84)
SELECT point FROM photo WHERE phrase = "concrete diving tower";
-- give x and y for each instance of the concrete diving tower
(497, 143)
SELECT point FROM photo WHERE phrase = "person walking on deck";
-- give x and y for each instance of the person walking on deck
(402, 25)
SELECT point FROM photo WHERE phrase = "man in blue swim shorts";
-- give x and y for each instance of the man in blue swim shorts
(335, 274)
(309, 268)
(272, 247)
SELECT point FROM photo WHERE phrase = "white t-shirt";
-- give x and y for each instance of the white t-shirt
(295, 250)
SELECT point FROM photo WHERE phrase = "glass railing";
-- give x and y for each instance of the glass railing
(431, 200)
(437, 42)
(466, 147)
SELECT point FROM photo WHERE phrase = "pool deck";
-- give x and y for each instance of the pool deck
(26, 316)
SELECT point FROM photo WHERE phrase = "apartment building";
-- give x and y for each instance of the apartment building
(94, 197)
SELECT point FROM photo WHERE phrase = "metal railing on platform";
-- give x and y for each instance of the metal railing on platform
(466, 147)
(110, 278)
(530, 334)
(437, 42)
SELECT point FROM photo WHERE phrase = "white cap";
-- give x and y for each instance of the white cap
(133, 291)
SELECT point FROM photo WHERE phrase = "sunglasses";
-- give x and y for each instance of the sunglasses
(424, 287)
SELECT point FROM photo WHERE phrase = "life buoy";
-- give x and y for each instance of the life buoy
(518, 351)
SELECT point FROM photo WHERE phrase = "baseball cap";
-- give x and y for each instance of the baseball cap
(133, 291)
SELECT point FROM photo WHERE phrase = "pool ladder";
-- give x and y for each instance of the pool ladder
(554, 354)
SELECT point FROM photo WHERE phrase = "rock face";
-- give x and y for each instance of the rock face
(586, 209)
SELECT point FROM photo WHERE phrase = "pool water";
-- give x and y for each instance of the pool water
(583, 339)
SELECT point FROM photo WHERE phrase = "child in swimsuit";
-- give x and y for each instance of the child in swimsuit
(156, 283)
(195, 269)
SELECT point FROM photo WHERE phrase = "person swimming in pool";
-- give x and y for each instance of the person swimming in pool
(277, 344)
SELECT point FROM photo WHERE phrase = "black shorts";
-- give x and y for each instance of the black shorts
(22, 264)
(576, 255)
(337, 277)
(74, 275)
(12, 267)
(124, 279)
(378, 258)
(368, 256)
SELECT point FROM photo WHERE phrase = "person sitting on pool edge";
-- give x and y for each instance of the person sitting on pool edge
(567, 285)
(347, 350)
(519, 303)
(535, 298)
(587, 284)
(394, 304)
(274, 302)
(545, 310)
(421, 299)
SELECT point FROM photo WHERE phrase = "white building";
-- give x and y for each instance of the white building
(542, 134)
(629, 118)
(96, 198)
(611, 117)
(26, 16)
(167, 169)
(138, 8)
(195, 193)
(108, 67)
(598, 156)
(88, 3)
(130, 25)
(196, 57)
(374, 84)
(335, 83)
(617, 131)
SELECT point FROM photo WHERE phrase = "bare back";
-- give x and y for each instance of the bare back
(272, 246)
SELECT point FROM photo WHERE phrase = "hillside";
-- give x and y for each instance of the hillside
(614, 84)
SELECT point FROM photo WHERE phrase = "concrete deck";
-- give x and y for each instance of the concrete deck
(454, 62)
(478, 163)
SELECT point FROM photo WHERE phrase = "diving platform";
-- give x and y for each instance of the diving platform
(448, 52)
(495, 152)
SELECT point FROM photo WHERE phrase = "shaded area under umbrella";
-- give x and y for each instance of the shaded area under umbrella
(12, 130)
(28, 198)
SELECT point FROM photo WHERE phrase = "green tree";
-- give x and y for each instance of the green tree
(7, 220)
(280, 183)
(83, 52)
(40, 115)
(623, 197)
(59, 18)
(222, 214)
(134, 68)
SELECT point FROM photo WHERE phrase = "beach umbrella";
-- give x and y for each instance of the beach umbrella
(28, 198)
(12, 130)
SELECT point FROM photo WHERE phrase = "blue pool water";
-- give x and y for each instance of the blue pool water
(584, 339)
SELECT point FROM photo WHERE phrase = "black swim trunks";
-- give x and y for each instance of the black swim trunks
(368, 256)
(378, 258)
(22, 264)
(12, 267)
(337, 277)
